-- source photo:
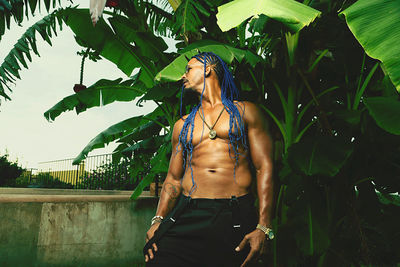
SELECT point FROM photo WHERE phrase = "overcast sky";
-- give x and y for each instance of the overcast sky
(25, 133)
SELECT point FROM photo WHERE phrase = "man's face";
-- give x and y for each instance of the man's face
(193, 78)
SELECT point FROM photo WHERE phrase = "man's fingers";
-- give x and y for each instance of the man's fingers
(151, 253)
(249, 258)
(242, 244)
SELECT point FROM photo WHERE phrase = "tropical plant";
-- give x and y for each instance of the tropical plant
(324, 72)
(9, 171)
(110, 176)
(46, 180)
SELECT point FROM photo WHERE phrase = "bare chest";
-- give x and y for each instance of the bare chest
(210, 128)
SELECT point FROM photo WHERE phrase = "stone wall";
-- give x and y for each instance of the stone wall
(50, 227)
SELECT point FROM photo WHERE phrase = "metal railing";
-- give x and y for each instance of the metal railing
(95, 172)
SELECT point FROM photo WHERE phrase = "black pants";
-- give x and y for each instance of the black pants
(204, 233)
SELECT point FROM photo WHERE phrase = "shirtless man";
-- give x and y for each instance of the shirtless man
(206, 216)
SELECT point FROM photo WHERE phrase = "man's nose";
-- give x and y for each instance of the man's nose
(183, 76)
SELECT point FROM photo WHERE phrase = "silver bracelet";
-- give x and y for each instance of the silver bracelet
(157, 218)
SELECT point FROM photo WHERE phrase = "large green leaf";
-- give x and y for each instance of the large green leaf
(176, 68)
(322, 155)
(187, 16)
(159, 164)
(144, 131)
(226, 52)
(387, 199)
(376, 25)
(101, 93)
(109, 45)
(385, 111)
(115, 132)
(148, 144)
(160, 92)
(148, 44)
(291, 13)
(110, 134)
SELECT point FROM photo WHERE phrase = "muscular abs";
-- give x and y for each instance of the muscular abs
(213, 167)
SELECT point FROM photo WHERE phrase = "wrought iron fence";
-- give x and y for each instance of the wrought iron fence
(95, 172)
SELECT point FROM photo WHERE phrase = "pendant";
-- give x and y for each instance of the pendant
(212, 134)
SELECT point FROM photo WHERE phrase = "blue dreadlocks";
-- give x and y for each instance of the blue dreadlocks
(229, 93)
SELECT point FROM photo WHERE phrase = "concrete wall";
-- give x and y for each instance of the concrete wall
(51, 227)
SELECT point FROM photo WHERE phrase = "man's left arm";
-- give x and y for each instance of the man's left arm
(261, 151)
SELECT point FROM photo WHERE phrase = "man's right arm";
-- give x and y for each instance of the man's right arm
(171, 189)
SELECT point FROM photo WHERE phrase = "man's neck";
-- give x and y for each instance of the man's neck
(211, 96)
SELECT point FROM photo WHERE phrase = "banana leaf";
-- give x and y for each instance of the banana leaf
(385, 111)
(148, 144)
(291, 13)
(322, 155)
(176, 68)
(148, 44)
(115, 132)
(110, 45)
(376, 26)
(159, 164)
(160, 92)
(187, 17)
(144, 131)
(103, 92)
(387, 199)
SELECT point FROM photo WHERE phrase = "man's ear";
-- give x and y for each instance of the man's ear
(208, 71)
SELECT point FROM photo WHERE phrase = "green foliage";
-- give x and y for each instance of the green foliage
(102, 93)
(174, 71)
(375, 24)
(9, 171)
(119, 131)
(332, 109)
(16, 9)
(311, 157)
(110, 176)
(9, 69)
(46, 180)
(291, 13)
(22, 181)
(116, 46)
(188, 16)
(384, 110)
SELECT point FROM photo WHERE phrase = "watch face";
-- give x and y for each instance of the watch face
(271, 235)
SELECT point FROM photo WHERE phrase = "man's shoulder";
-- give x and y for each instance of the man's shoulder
(245, 104)
(179, 123)
(181, 120)
(248, 108)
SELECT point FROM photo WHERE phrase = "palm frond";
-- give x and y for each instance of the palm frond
(16, 9)
(159, 17)
(9, 69)
(187, 16)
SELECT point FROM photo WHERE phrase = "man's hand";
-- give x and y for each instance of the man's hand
(149, 235)
(256, 240)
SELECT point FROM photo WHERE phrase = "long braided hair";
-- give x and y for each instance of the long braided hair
(229, 93)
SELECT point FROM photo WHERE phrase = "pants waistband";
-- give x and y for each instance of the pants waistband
(218, 202)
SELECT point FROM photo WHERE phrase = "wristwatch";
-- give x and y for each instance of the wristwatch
(267, 231)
